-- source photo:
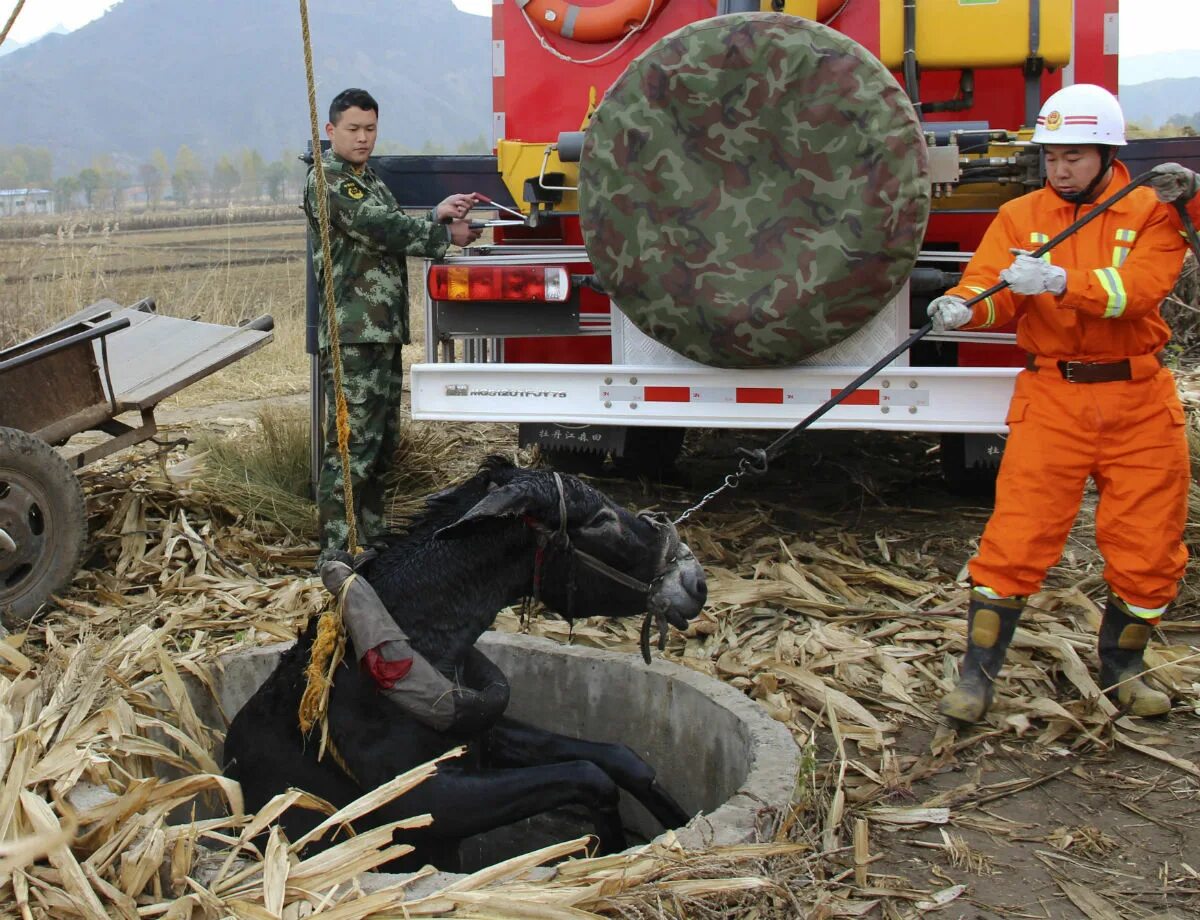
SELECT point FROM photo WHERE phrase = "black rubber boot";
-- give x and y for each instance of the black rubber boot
(990, 627)
(1123, 639)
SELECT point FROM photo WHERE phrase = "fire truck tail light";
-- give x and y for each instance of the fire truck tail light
(557, 284)
(529, 283)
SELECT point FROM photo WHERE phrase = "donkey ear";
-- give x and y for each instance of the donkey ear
(507, 501)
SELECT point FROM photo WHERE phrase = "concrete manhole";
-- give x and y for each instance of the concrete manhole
(718, 753)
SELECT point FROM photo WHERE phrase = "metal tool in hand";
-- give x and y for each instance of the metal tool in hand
(479, 196)
(483, 224)
(755, 462)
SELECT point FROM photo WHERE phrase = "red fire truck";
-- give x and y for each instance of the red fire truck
(582, 379)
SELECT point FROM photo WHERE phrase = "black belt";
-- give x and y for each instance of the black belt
(1088, 371)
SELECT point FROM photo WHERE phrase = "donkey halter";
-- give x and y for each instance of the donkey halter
(668, 558)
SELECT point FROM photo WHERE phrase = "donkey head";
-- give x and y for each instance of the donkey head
(594, 557)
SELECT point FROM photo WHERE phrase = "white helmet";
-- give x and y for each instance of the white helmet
(1081, 114)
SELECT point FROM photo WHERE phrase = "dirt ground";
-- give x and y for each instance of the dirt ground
(1092, 831)
(1058, 833)
(1083, 829)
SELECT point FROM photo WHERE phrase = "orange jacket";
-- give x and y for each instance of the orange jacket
(1119, 269)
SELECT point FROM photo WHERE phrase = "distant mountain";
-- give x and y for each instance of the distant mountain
(224, 75)
(1142, 68)
(10, 45)
(1159, 101)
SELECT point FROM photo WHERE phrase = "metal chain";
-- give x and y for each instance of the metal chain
(731, 481)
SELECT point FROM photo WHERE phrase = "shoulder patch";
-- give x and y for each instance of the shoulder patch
(352, 189)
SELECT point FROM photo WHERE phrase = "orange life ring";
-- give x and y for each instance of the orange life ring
(604, 23)
(609, 21)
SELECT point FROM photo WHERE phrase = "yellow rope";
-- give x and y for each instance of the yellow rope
(330, 644)
(326, 654)
(11, 20)
(335, 349)
(341, 762)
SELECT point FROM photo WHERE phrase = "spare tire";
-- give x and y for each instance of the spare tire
(43, 529)
(753, 189)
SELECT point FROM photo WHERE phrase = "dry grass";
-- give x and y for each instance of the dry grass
(226, 271)
(1189, 391)
(846, 644)
(223, 274)
(1182, 311)
(262, 473)
(97, 221)
(219, 274)
(265, 473)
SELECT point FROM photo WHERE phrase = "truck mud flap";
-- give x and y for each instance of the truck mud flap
(596, 439)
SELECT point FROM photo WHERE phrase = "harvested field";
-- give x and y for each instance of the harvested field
(83, 222)
(226, 274)
(835, 602)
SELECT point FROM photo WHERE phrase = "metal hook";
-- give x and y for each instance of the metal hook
(753, 462)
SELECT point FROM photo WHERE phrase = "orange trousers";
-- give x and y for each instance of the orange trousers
(1129, 436)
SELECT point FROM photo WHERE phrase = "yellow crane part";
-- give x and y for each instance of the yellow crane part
(958, 34)
(521, 161)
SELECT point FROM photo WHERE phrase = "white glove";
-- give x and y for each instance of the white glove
(948, 312)
(1171, 182)
(1028, 275)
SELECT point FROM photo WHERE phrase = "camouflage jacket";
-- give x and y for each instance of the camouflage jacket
(370, 238)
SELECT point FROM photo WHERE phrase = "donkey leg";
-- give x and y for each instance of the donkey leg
(510, 743)
(463, 803)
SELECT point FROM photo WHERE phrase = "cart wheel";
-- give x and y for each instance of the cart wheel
(42, 525)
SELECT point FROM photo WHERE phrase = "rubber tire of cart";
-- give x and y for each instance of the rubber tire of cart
(57, 516)
(649, 452)
(963, 480)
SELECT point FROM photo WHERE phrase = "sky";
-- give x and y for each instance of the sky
(1146, 26)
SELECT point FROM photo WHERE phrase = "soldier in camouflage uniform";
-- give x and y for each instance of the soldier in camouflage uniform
(370, 238)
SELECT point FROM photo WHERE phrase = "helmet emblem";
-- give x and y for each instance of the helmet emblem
(1054, 120)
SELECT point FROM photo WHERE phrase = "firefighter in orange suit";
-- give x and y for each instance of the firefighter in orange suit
(1094, 400)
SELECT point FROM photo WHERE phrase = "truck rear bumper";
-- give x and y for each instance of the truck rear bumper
(932, 399)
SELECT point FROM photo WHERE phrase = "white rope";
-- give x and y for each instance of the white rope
(600, 57)
(841, 9)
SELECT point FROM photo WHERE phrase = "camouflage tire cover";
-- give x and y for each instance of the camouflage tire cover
(753, 189)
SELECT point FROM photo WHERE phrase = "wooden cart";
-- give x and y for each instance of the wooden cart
(104, 362)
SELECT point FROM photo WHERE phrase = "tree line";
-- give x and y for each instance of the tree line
(1175, 126)
(116, 183)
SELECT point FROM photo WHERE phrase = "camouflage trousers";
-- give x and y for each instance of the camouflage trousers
(371, 380)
